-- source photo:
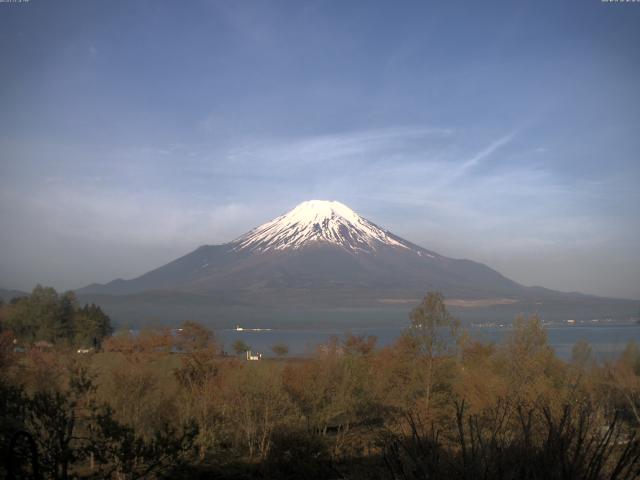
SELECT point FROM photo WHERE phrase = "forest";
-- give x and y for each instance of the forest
(80, 402)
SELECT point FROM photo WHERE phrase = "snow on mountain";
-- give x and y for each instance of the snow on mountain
(319, 221)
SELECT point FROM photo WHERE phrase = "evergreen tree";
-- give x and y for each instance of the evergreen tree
(67, 306)
(45, 315)
(34, 318)
(91, 325)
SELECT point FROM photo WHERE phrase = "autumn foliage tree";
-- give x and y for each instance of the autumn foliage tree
(435, 403)
(435, 333)
(280, 349)
(192, 336)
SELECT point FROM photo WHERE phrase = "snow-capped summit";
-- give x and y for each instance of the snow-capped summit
(318, 221)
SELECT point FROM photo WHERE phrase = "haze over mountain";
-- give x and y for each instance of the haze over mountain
(323, 254)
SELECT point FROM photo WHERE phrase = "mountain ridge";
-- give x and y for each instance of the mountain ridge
(319, 245)
(6, 294)
(322, 260)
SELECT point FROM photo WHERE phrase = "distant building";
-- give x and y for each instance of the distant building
(253, 356)
(332, 347)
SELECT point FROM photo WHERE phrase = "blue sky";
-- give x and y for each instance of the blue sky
(504, 132)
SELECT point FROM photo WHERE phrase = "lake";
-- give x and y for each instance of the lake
(606, 340)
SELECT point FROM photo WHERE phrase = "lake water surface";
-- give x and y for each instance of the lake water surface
(606, 340)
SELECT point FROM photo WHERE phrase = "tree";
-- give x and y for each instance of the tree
(123, 454)
(199, 377)
(435, 331)
(258, 406)
(528, 360)
(193, 336)
(45, 315)
(528, 337)
(122, 341)
(37, 317)
(280, 349)
(359, 344)
(433, 325)
(15, 300)
(624, 380)
(67, 307)
(91, 325)
(582, 354)
(240, 346)
(154, 341)
(137, 394)
(54, 417)
(631, 357)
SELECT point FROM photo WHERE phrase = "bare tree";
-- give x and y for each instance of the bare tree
(435, 331)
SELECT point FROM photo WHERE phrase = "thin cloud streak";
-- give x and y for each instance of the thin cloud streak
(159, 201)
(482, 155)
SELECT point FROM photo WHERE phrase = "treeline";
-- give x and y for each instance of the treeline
(436, 404)
(58, 319)
(189, 337)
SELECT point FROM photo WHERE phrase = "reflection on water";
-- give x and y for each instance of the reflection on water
(606, 341)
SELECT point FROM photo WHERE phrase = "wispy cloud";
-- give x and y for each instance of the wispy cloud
(360, 147)
(482, 155)
(155, 202)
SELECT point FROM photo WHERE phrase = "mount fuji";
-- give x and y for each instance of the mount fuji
(321, 254)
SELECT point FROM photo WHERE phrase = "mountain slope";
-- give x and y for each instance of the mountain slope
(321, 263)
(318, 249)
(6, 294)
